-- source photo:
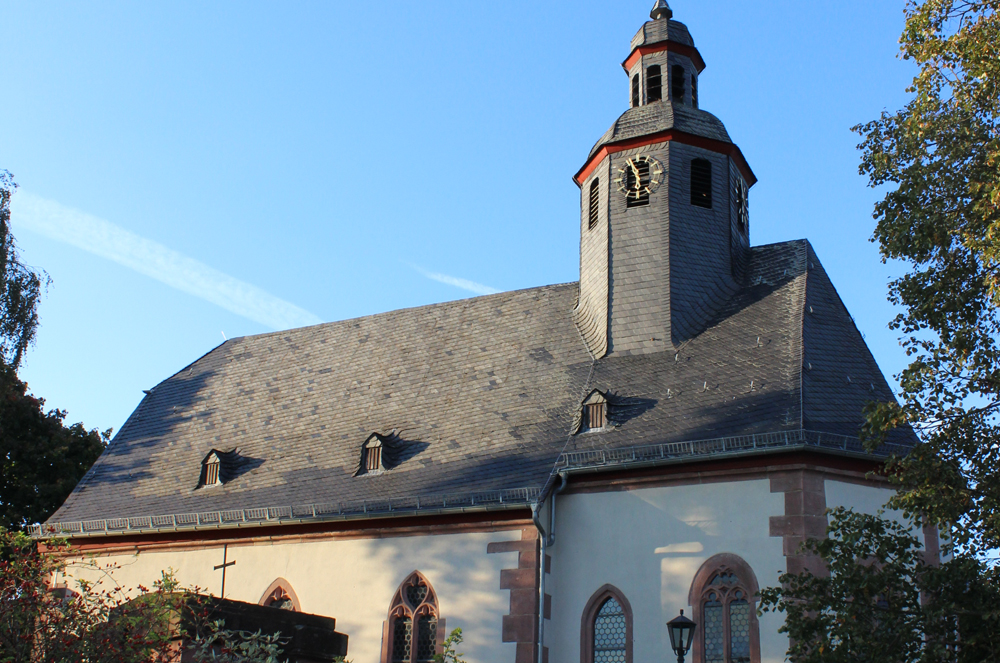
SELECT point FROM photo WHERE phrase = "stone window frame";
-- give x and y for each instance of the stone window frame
(590, 616)
(747, 582)
(278, 590)
(400, 607)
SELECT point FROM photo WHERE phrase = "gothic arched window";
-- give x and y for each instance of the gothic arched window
(606, 629)
(723, 596)
(677, 83)
(653, 84)
(413, 633)
(280, 595)
(635, 90)
(595, 202)
(701, 183)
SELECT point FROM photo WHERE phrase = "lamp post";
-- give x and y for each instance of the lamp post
(681, 632)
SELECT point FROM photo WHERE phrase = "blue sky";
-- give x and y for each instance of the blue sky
(194, 170)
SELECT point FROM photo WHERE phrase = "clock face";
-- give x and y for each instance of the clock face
(639, 176)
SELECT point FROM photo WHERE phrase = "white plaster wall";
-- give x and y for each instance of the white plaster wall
(351, 580)
(864, 499)
(649, 543)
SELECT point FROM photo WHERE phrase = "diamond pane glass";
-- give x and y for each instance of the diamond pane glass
(415, 594)
(401, 640)
(426, 638)
(609, 633)
(739, 631)
(713, 633)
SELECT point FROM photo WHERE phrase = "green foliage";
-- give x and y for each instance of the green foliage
(38, 625)
(940, 157)
(41, 460)
(222, 645)
(882, 601)
(20, 287)
(448, 653)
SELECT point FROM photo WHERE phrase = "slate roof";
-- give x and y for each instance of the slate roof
(475, 395)
(661, 116)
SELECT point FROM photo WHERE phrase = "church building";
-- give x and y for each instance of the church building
(558, 471)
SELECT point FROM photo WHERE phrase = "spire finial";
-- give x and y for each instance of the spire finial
(660, 10)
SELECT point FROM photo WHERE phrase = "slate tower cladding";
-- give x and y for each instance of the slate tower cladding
(665, 236)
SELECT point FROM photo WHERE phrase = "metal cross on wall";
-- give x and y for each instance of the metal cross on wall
(225, 555)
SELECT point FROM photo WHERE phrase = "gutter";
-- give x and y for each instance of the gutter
(547, 539)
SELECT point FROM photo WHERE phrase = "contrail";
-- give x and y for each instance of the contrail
(156, 261)
(464, 284)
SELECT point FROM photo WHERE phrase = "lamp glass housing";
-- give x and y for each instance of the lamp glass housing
(681, 632)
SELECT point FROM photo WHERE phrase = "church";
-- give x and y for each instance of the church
(557, 471)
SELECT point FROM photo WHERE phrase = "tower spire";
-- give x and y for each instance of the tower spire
(661, 10)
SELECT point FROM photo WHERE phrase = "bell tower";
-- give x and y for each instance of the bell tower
(664, 226)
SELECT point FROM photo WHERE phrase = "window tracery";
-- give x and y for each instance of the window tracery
(280, 595)
(723, 595)
(414, 628)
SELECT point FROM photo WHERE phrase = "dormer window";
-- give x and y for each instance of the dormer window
(372, 460)
(677, 77)
(594, 414)
(654, 91)
(210, 470)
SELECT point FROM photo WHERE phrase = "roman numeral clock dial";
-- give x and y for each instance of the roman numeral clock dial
(639, 176)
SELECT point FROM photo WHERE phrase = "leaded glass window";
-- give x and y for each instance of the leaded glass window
(402, 634)
(414, 622)
(728, 624)
(739, 629)
(610, 633)
(426, 638)
(715, 651)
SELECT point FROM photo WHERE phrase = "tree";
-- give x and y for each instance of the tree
(41, 460)
(20, 287)
(941, 156)
(883, 600)
(38, 625)
(939, 160)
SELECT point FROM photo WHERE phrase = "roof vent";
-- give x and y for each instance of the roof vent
(372, 456)
(210, 466)
(661, 10)
(594, 413)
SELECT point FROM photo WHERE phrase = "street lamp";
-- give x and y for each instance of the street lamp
(681, 631)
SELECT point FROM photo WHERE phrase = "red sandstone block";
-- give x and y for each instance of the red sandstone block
(517, 579)
(519, 628)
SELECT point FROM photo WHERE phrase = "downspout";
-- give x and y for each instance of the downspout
(548, 539)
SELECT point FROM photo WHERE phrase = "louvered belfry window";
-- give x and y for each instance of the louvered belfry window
(677, 83)
(595, 415)
(654, 89)
(701, 183)
(635, 90)
(595, 202)
(694, 90)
